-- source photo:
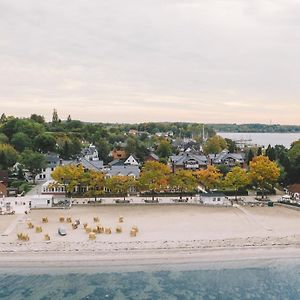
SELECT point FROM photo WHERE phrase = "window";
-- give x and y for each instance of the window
(48, 202)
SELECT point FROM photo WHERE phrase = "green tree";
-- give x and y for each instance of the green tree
(3, 118)
(8, 156)
(164, 149)
(34, 162)
(55, 118)
(183, 181)
(250, 156)
(21, 141)
(294, 158)
(214, 145)
(37, 118)
(3, 139)
(231, 145)
(45, 142)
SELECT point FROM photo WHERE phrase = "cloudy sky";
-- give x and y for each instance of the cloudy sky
(218, 61)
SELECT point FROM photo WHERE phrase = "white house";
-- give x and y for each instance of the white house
(90, 153)
(214, 199)
(41, 201)
(52, 187)
(53, 161)
(132, 161)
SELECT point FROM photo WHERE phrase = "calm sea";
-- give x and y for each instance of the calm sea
(264, 139)
(280, 281)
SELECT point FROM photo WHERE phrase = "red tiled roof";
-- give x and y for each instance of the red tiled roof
(294, 188)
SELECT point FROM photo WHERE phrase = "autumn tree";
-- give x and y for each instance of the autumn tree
(209, 178)
(120, 184)
(71, 176)
(164, 149)
(215, 145)
(183, 181)
(154, 177)
(95, 183)
(264, 173)
(237, 178)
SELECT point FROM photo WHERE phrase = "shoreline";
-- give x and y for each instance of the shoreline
(137, 260)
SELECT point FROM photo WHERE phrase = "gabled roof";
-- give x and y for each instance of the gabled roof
(294, 188)
(116, 162)
(179, 160)
(124, 171)
(95, 165)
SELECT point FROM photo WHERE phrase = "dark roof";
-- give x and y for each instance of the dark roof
(294, 188)
(116, 162)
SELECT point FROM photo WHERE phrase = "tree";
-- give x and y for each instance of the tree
(270, 152)
(294, 158)
(34, 162)
(209, 178)
(3, 139)
(71, 176)
(237, 178)
(183, 181)
(45, 142)
(231, 145)
(103, 150)
(8, 156)
(69, 118)
(21, 141)
(214, 145)
(250, 155)
(164, 149)
(55, 118)
(95, 182)
(264, 173)
(3, 118)
(259, 151)
(154, 177)
(120, 184)
(37, 118)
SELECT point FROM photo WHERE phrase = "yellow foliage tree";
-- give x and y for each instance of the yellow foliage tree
(209, 178)
(154, 177)
(263, 172)
(120, 184)
(183, 181)
(70, 176)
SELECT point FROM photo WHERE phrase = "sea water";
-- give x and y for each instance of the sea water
(269, 281)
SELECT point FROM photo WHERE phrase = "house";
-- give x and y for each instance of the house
(294, 191)
(152, 157)
(90, 153)
(118, 154)
(227, 158)
(187, 161)
(214, 199)
(41, 201)
(123, 170)
(53, 161)
(132, 161)
(51, 187)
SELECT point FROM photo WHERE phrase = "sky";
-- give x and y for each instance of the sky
(212, 61)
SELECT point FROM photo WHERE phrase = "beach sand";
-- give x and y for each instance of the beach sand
(177, 232)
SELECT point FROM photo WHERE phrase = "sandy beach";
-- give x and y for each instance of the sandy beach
(175, 232)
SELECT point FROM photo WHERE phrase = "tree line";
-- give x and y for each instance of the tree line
(157, 177)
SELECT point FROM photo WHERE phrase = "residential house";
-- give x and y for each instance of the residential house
(132, 161)
(90, 153)
(187, 161)
(53, 161)
(123, 170)
(152, 157)
(214, 199)
(294, 191)
(227, 158)
(41, 201)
